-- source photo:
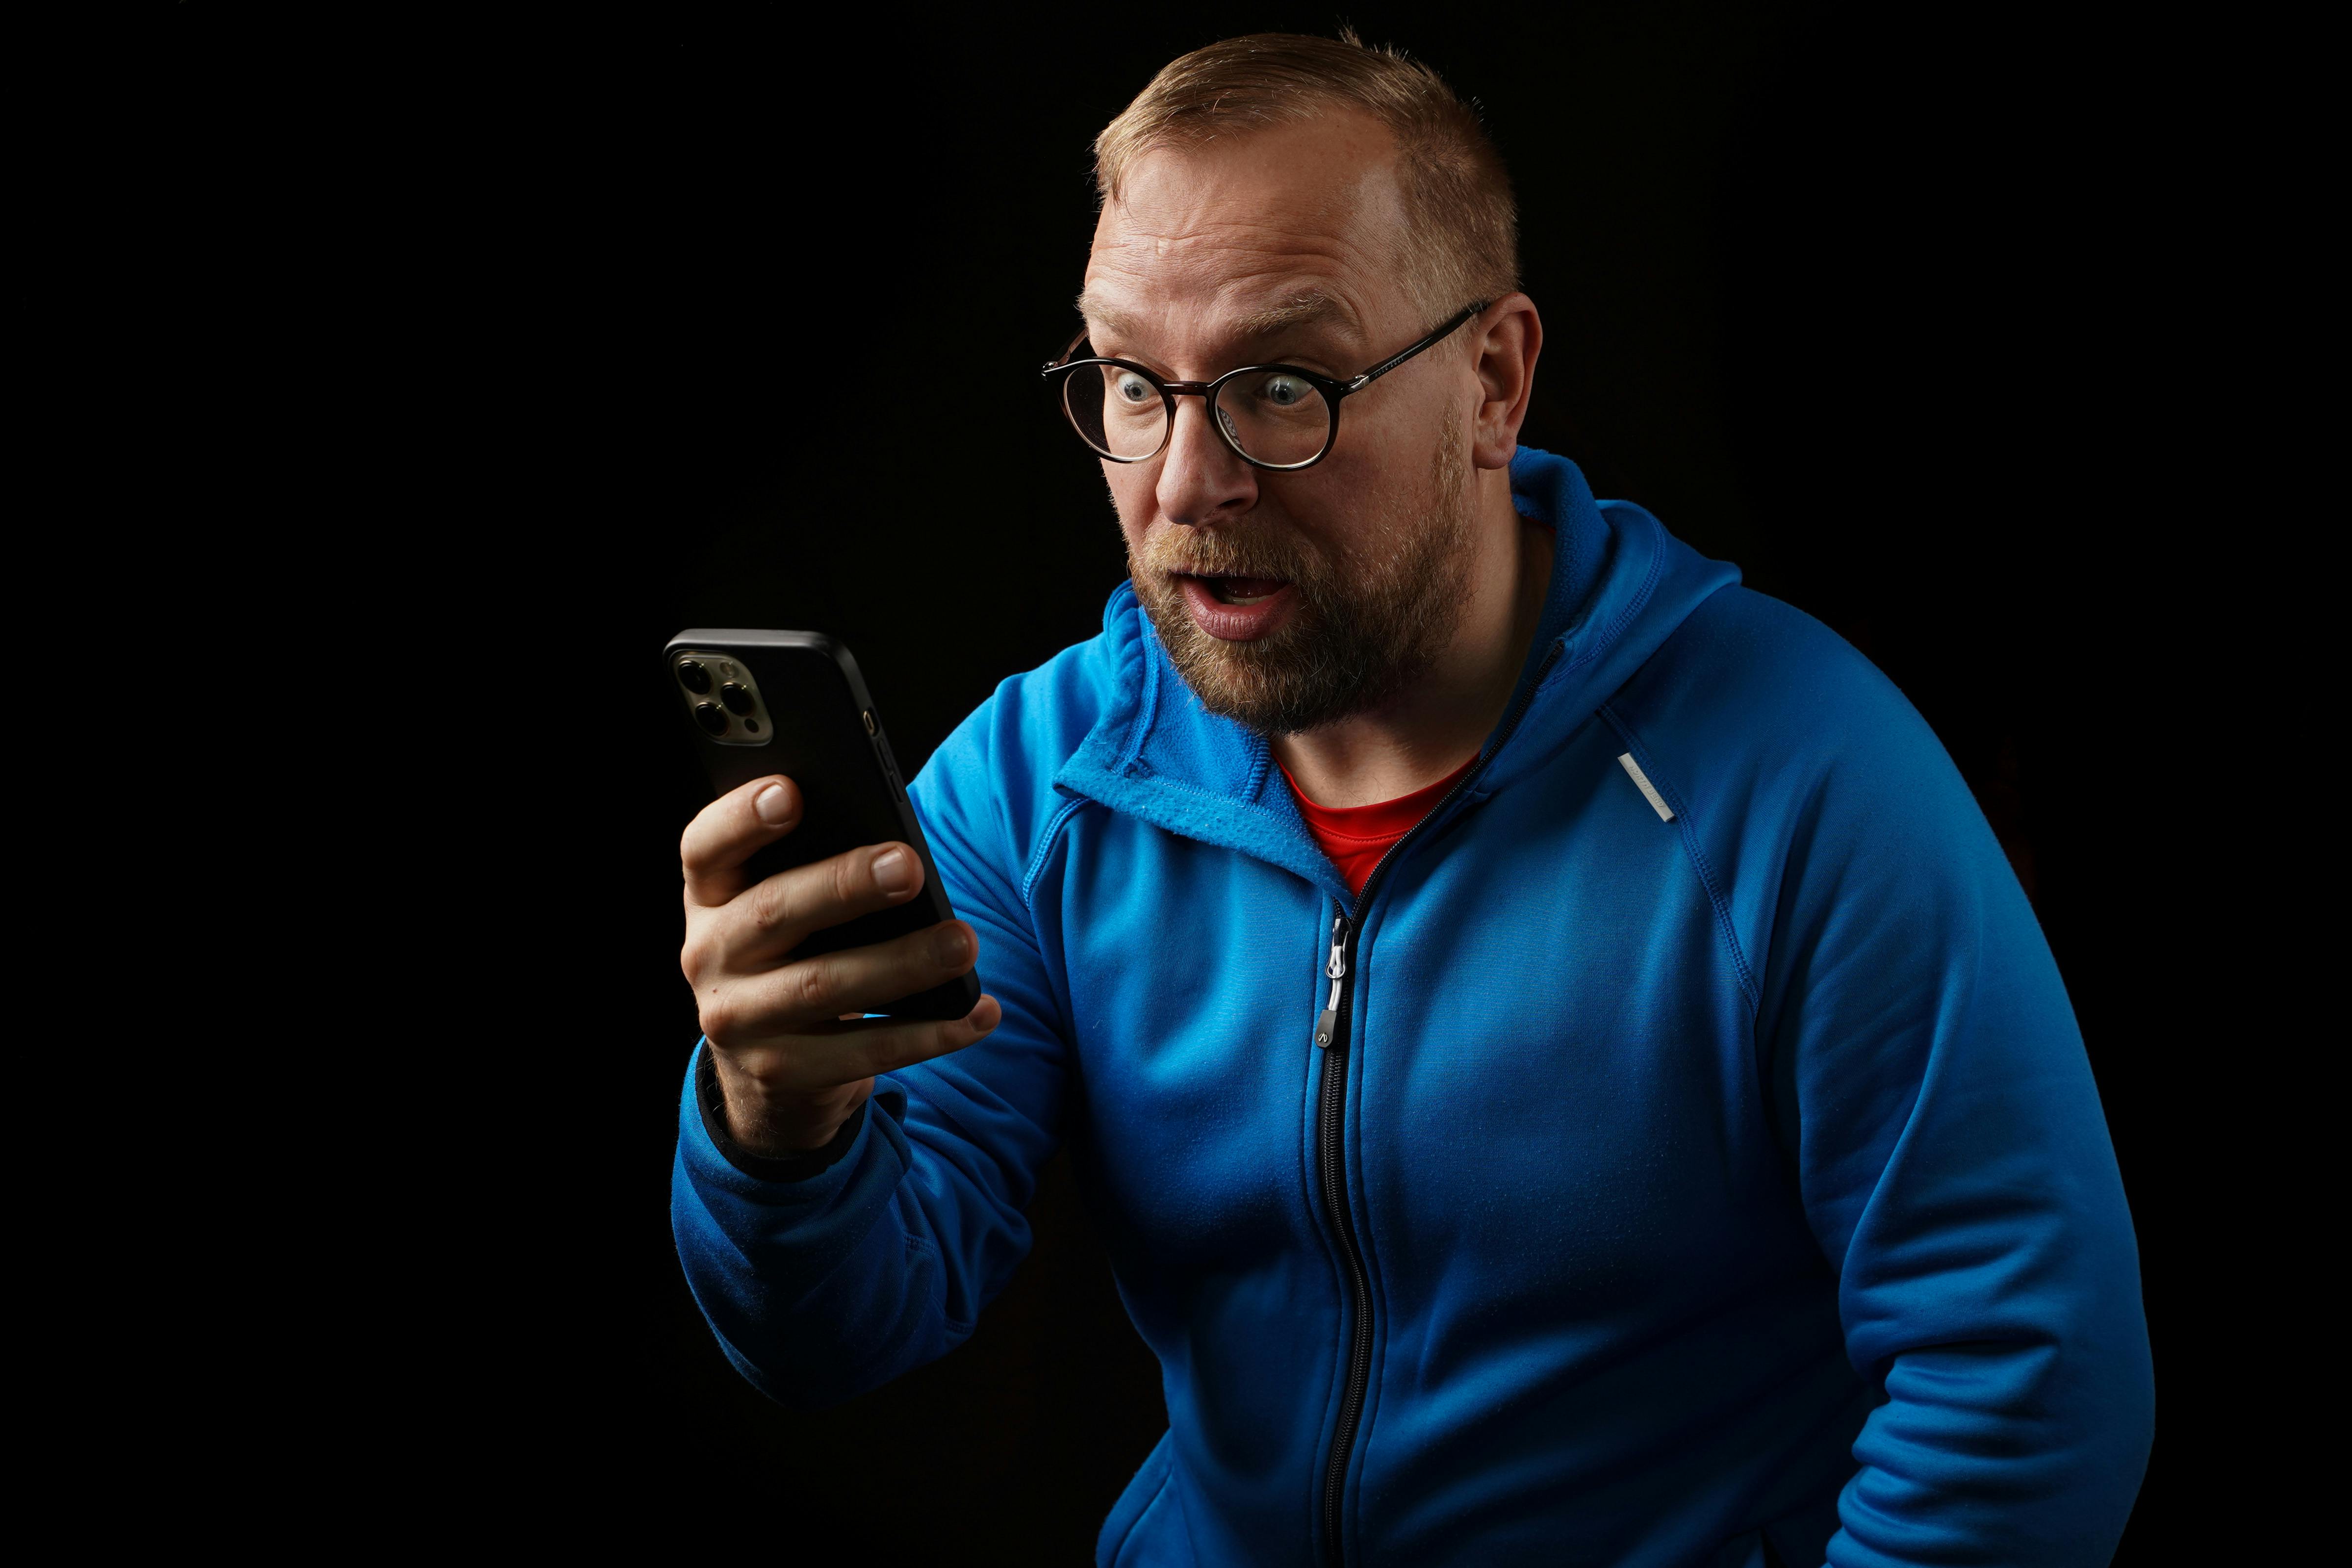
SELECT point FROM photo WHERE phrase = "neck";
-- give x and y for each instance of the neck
(1438, 722)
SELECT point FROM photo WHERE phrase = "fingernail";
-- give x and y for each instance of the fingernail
(774, 804)
(954, 946)
(894, 870)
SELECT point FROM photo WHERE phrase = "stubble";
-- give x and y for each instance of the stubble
(1374, 612)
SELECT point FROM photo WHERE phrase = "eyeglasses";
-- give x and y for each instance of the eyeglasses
(1272, 415)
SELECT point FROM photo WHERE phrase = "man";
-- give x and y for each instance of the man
(1566, 1072)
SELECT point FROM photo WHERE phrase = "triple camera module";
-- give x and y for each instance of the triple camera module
(724, 699)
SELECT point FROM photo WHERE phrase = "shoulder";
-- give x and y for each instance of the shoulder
(1786, 747)
(1746, 677)
(1746, 660)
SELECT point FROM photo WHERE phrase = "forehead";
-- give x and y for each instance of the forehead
(1243, 227)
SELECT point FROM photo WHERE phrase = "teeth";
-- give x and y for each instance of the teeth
(1221, 590)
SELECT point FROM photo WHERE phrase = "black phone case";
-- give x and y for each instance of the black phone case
(828, 739)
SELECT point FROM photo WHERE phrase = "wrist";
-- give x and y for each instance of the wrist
(773, 1126)
(775, 1161)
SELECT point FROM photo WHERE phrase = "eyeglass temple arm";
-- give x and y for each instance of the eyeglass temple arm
(1064, 357)
(1401, 355)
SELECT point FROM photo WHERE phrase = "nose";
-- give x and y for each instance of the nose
(1201, 480)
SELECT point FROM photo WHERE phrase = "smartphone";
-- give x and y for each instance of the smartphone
(761, 702)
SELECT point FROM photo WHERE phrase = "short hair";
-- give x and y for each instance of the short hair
(1462, 238)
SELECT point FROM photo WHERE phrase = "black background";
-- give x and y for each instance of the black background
(678, 325)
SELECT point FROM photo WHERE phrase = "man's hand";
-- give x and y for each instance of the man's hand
(792, 1065)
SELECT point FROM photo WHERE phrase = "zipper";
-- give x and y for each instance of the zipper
(1330, 1124)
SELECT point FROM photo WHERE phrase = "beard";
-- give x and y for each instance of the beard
(1372, 615)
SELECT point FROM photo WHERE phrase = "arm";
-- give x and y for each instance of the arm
(835, 1241)
(1953, 1161)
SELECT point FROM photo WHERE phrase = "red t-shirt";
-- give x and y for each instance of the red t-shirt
(1356, 837)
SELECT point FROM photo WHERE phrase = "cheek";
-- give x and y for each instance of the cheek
(1393, 428)
(1131, 496)
(1390, 451)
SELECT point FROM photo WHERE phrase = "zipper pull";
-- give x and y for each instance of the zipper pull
(1327, 1024)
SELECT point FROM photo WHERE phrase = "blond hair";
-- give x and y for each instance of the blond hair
(1462, 227)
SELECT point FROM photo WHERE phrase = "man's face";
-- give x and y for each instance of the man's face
(1287, 600)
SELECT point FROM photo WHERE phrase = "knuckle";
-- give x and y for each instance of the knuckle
(718, 1017)
(694, 845)
(811, 986)
(903, 1047)
(886, 1050)
(848, 878)
(704, 954)
(770, 903)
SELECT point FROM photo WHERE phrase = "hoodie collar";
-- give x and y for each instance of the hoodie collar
(1619, 587)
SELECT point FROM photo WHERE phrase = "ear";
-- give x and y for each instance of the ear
(1507, 335)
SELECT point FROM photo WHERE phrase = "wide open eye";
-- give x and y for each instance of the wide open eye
(1275, 417)
(1284, 391)
(1117, 410)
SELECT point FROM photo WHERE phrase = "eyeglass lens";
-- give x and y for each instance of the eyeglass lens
(1271, 416)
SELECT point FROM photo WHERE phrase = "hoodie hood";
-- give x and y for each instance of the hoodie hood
(1620, 585)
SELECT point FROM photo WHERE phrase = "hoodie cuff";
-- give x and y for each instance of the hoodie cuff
(712, 1102)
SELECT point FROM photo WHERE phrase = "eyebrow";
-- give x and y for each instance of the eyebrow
(1311, 308)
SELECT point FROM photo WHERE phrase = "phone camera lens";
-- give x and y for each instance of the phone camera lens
(693, 677)
(708, 715)
(738, 700)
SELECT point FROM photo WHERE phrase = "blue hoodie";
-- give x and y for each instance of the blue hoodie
(1690, 1167)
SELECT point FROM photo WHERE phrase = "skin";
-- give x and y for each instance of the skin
(792, 1067)
(1199, 243)
(1269, 248)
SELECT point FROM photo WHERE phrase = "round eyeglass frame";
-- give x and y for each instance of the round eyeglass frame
(1332, 389)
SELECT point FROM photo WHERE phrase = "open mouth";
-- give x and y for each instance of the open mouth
(1242, 589)
(1233, 607)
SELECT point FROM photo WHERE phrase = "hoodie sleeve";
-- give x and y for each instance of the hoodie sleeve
(1953, 1161)
(823, 1287)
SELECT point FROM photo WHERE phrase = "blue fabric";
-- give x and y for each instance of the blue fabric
(1734, 1176)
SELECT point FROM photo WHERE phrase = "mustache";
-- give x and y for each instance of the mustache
(1216, 555)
